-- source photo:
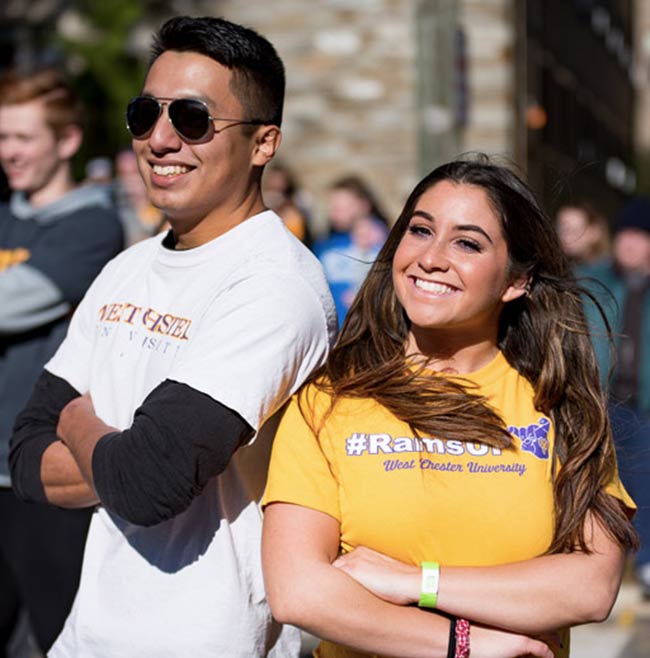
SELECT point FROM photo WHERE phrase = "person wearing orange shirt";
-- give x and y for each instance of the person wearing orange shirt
(454, 452)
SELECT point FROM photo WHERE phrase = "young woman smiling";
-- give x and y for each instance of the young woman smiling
(455, 449)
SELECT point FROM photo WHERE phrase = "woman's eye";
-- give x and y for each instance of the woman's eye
(419, 229)
(470, 245)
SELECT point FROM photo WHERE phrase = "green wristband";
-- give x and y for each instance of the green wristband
(429, 589)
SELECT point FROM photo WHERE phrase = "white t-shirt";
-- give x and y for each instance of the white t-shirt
(244, 318)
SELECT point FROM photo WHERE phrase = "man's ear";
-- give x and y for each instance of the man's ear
(516, 289)
(267, 142)
(69, 142)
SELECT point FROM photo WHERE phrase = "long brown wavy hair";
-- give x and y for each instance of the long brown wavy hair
(543, 335)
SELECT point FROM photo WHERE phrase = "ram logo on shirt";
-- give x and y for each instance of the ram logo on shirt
(534, 438)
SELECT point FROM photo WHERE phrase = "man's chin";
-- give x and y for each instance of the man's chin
(19, 184)
(180, 223)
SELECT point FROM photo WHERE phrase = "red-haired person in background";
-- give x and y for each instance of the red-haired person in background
(55, 237)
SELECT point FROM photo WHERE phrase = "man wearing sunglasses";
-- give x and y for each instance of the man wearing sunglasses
(160, 404)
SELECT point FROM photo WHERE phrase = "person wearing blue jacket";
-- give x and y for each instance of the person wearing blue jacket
(622, 286)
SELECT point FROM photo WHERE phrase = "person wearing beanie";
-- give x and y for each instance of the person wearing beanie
(622, 286)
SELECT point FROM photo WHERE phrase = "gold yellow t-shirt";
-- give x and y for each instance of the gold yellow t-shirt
(461, 504)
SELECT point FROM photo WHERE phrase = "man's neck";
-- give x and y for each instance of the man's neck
(60, 184)
(191, 234)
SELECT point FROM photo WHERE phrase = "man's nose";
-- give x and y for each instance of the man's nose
(8, 149)
(163, 137)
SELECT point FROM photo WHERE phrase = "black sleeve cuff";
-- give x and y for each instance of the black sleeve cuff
(34, 431)
(179, 439)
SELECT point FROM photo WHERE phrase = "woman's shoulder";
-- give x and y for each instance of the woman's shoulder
(311, 402)
(321, 405)
(317, 391)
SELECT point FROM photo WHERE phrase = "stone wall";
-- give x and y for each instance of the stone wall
(354, 95)
(642, 74)
(489, 26)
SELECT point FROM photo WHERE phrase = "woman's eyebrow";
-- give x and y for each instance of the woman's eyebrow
(461, 227)
(474, 227)
(422, 213)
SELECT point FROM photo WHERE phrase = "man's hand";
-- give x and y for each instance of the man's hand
(78, 421)
(80, 429)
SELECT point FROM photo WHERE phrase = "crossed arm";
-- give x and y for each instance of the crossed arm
(532, 597)
(63, 453)
(305, 588)
(66, 468)
(63, 481)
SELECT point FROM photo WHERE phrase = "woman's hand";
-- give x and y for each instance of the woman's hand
(492, 643)
(562, 590)
(299, 547)
(387, 578)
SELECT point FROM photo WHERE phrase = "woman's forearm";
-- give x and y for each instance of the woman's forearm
(330, 605)
(305, 590)
(550, 591)
(533, 596)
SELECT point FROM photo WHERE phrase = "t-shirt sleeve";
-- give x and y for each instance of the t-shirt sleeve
(71, 361)
(75, 249)
(256, 343)
(615, 488)
(302, 469)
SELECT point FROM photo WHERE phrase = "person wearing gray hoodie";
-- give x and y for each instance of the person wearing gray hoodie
(54, 239)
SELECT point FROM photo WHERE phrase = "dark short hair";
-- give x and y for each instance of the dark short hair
(62, 105)
(635, 213)
(258, 79)
(361, 189)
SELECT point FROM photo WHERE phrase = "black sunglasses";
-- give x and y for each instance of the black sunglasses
(190, 117)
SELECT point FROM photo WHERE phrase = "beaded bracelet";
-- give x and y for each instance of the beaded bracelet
(451, 646)
(462, 638)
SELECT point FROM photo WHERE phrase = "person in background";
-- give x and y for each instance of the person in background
(160, 404)
(99, 171)
(357, 230)
(55, 237)
(454, 451)
(622, 287)
(280, 191)
(140, 218)
(583, 232)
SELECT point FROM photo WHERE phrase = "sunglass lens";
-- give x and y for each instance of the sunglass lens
(141, 115)
(190, 118)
